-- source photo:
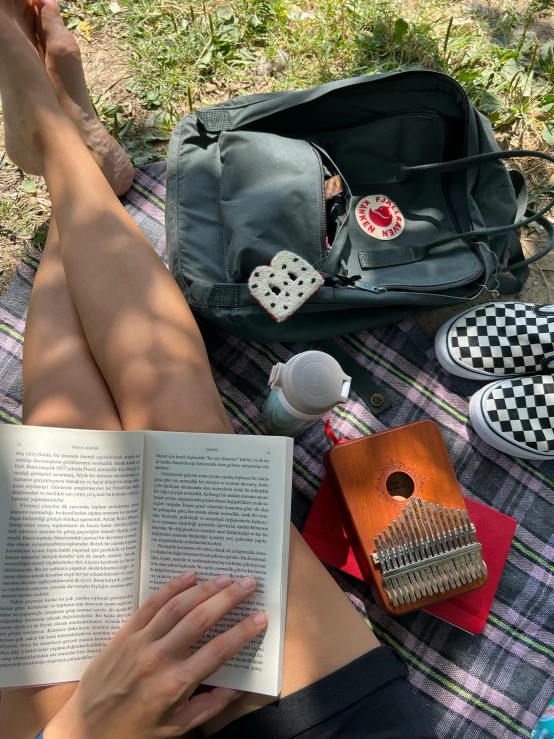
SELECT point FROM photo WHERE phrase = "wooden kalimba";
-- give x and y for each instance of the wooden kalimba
(406, 517)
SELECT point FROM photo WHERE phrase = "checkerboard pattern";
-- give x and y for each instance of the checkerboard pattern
(503, 338)
(522, 409)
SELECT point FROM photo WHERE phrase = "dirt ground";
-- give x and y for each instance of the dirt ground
(25, 206)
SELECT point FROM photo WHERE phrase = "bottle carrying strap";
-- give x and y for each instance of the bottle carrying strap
(373, 394)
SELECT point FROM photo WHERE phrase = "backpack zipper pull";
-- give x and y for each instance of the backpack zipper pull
(370, 288)
(355, 281)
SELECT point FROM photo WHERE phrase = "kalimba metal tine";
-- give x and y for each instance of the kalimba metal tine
(458, 520)
(412, 554)
(404, 543)
(433, 582)
(427, 549)
(451, 567)
(458, 539)
(439, 572)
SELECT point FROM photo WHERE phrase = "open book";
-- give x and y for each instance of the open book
(93, 522)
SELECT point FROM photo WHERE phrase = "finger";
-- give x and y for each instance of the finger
(213, 655)
(182, 604)
(150, 608)
(203, 707)
(200, 620)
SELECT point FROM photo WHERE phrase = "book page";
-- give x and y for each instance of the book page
(70, 510)
(220, 504)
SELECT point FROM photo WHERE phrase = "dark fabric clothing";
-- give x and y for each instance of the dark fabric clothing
(369, 698)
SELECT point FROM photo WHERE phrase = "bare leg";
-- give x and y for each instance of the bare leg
(62, 385)
(148, 349)
(63, 62)
(323, 632)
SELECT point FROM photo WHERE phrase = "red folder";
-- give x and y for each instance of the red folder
(325, 534)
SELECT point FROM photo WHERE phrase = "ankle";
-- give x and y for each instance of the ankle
(54, 132)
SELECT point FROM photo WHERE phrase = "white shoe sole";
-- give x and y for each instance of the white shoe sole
(493, 438)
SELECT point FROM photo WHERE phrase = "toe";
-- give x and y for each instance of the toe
(54, 37)
(24, 14)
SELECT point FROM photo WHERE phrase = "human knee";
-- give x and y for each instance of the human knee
(58, 412)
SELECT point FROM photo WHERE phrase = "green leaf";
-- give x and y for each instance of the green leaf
(548, 133)
(507, 116)
(126, 129)
(467, 74)
(545, 57)
(156, 136)
(380, 40)
(29, 186)
(141, 152)
(133, 86)
(490, 102)
(167, 120)
(366, 41)
(153, 99)
(111, 110)
(401, 28)
(225, 14)
(229, 34)
(511, 68)
(205, 58)
(547, 104)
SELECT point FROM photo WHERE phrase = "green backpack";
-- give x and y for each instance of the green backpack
(425, 219)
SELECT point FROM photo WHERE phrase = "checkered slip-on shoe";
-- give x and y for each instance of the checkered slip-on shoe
(516, 416)
(498, 340)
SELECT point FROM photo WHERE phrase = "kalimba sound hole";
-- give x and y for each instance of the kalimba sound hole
(400, 485)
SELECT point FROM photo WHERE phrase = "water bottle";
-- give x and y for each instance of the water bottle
(303, 390)
(545, 728)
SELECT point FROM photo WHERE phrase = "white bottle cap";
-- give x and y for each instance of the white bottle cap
(312, 382)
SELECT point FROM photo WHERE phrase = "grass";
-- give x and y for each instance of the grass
(184, 55)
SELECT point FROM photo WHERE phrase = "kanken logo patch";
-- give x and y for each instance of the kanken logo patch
(379, 217)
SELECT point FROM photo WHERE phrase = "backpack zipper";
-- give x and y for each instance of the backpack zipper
(407, 288)
(321, 153)
(330, 129)
(322, 204)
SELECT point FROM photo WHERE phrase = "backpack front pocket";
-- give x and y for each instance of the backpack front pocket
(272, 199)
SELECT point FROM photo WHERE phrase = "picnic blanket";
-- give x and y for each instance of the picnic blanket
(490, 686)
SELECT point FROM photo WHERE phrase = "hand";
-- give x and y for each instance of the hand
(140, 686)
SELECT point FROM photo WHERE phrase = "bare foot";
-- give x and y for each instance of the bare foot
(24, 15)
(65, 69)
(30, 108)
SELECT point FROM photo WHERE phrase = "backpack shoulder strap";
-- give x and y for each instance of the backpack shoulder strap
(517, 265)
(513, 283)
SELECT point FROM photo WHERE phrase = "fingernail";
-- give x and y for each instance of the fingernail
(259, 618)
(247, 583)
(223, 581)
(188, 575)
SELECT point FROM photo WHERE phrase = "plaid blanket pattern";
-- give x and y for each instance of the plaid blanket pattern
(492, 686)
